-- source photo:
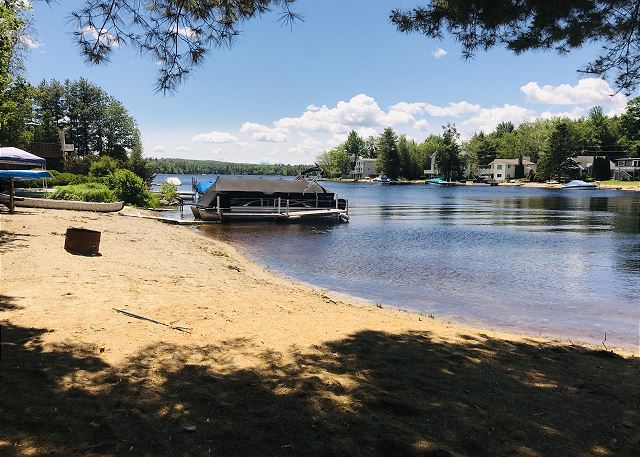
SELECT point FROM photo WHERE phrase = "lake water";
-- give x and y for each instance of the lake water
(557, 263)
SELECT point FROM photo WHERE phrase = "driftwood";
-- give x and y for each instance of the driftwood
(137, 316)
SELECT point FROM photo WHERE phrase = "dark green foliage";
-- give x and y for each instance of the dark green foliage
(89, 192)
(538, 24)
(388, 158)
(168, 191)
(519, 171)
(354, 147)
(561, 149)
(95, 122)
(214, 167)
(104, 166)
(601, 169)
(448, 158)
(63, 179)
(130, 188)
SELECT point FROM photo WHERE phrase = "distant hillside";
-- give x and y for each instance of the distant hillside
(215, 167)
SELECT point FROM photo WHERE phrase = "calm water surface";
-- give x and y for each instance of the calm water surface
(559, 263)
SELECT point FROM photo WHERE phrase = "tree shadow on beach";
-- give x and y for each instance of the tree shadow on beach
(11, 240)
(8, 303)
(372, 393)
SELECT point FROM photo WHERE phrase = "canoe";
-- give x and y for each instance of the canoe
(26, 202)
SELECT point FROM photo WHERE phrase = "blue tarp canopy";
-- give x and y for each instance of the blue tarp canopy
(24, 175)
(202, 186)
(15, 156)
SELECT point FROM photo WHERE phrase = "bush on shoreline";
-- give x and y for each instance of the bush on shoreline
(87, 192)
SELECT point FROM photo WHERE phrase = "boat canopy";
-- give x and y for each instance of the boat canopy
(225, 184)
(15, 156)
(24, 175)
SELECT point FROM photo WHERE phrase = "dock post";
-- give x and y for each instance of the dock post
(347, 206)
(218, 206)
(279, 201)
(336, 201)
(316, 200)
(287, 207)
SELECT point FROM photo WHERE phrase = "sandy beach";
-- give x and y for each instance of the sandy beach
(267, 366)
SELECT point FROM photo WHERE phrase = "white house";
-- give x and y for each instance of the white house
(503, 169)
(627, 169)
(364, 168)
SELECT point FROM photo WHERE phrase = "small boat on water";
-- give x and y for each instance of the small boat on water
(579, 185)
(382, 179)
(439, 182)
(256, 198)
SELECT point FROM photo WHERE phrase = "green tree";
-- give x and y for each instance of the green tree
(630, 127)
(354, 147)
(388, 160)
(601, 169)
(405, 160)
(561, 149)
(335, 162)
(104, 166)
(448, 157)
(370, 151)
(16, 114)
(599, 132)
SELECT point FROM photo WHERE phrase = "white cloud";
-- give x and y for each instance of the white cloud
(451, 110)
(575, 113)
(261, 132)
(30, 42)
(159, 149)
(103, 36)
(366, 132)
(588, 91)
(438, 53)
(183, 149)
(214, 137)
(488, 118)
(421, 124)
(188, 32)
(360, 111)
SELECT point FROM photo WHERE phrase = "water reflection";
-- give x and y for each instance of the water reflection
(565, 264)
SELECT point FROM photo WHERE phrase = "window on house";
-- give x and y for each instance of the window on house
(636, 163)
(499, 167)
(499, 175)
(508, 166)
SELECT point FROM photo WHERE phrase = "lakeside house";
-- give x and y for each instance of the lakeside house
(432, 171)
(503, 169)
(585, 164)
(364, 168)
(627, 169)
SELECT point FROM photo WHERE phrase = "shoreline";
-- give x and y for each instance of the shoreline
(633, 186)
(268, 364)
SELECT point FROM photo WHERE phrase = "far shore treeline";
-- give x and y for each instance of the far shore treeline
(215, 167)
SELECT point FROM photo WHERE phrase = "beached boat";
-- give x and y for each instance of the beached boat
(26, 202)
(255, 198)
(580, 185)
(382, 179)
(439, 182)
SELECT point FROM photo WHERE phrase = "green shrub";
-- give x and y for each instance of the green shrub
(169, 191)
(131, 188)
(104, 166)
(89, 192)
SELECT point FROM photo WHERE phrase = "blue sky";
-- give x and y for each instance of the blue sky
(282, 95)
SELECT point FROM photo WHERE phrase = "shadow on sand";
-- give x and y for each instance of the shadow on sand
(371, 394)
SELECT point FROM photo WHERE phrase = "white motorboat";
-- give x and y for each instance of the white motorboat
(579, 185)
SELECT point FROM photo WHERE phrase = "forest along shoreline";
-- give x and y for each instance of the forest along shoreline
(241, 346)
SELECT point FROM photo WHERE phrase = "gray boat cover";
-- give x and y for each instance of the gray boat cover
(257, 185)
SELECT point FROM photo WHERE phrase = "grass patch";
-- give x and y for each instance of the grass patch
(88, 192)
